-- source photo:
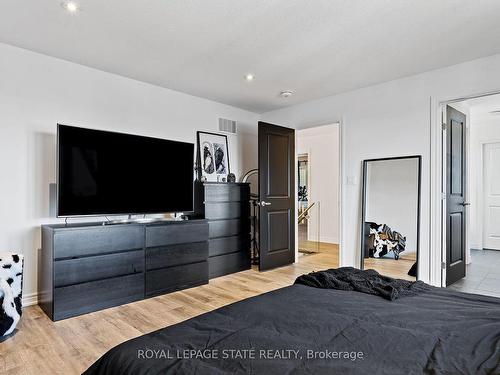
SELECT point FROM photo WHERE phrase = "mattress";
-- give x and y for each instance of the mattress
(305, 330)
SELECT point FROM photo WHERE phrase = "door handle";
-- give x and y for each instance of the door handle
(264, 204)
(465, 203)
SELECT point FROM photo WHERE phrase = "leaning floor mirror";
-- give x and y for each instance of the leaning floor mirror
(391, 216)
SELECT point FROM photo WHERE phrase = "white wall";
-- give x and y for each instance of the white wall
(483, 129)
(322, 146)
(392, 197)
(37, 92)
(389, 119)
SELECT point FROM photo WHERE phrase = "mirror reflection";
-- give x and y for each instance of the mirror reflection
(390, 232)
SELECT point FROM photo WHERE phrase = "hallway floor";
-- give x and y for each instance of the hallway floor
(483, 274)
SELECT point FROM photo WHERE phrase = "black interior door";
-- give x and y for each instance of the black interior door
(277, 195)
(455, 195)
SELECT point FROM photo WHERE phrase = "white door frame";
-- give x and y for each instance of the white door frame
(437, 220)
(342, 179)
(341, 123)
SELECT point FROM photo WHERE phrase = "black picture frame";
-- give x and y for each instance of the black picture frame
(199, 166)
(363, 202)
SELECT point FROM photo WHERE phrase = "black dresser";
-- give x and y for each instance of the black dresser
(176, 256)
(88, 267)
(226, 207)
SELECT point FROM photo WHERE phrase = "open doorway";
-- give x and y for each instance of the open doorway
(318, 184)
(478, 205)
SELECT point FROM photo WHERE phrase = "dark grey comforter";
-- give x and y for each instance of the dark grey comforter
(304, 330)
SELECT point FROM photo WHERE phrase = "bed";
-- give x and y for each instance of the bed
(301, 329)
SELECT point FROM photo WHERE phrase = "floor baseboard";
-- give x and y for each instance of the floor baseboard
(30, 299)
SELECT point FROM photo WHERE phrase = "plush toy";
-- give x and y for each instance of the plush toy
(11, 285)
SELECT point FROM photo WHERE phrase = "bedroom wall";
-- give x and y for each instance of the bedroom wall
(322, 146)
(37, 92)
(389, 119)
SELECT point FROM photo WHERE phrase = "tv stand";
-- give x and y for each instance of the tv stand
(87, 267)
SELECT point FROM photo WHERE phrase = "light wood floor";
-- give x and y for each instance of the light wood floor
(315, 247)
(68, 347)
(392, 267)
(311, 246)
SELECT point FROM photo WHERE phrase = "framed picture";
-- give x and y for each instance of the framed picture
(213, 156)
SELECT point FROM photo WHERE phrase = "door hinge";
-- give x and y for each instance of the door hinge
(444, 126)
(443, 196)
(443, 265)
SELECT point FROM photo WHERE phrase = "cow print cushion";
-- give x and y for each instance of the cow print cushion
(11, 284)
(385, 240)
(382, 246)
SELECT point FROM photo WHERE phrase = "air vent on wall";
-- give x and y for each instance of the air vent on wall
(228, 126)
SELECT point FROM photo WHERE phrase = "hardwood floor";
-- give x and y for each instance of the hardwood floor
(391, 267)
(41, 346)
(314, 247)
(306, 246)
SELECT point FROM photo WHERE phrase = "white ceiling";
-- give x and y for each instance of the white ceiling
(204, 47)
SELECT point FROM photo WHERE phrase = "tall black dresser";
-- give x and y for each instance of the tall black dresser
(226, 207)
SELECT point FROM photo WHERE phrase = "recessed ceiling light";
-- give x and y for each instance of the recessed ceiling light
(249, 77)
(70, 6)
(286, 94)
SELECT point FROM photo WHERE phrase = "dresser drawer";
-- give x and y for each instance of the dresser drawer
(174, 255)
(226, 193)
(74, 271)
(226, 228)
(163, 235)
(95, 240)
(226, 245)
(227, 210)
(230, 263)
(176, 278)
(96, 295)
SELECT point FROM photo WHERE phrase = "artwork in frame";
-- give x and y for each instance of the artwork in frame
(213, 156)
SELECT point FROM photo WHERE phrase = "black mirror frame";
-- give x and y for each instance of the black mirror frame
(363, 204)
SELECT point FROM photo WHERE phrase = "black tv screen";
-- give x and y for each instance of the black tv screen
(107, 173)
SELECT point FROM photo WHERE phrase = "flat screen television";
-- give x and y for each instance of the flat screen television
(108, 173)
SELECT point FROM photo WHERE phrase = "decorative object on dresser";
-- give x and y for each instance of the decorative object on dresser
(231, 177)
(212, 156)
(89, 267)
(11, 290)
(226, 206)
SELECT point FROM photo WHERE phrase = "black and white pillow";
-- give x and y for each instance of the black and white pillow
(11, 285)
(382, 247)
